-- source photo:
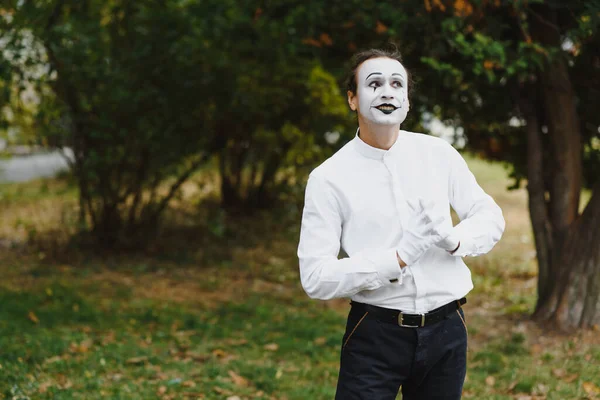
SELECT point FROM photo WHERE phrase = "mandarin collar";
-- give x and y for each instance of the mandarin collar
(373, 152)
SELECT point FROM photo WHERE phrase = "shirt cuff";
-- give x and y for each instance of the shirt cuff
(467, 246)
(387, 266)
(451, 242)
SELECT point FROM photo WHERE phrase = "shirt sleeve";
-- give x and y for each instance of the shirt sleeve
(322, 274)
(482, 223)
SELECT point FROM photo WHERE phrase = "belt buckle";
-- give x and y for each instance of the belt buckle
(401, 321)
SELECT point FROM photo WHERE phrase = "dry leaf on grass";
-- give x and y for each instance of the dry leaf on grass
(52, 359)
(32, 317)
(271, 347)
(137, 360)
(571, 378)
(218, 353)
(222, 391)
(82, 347)
(320, 341)
(43, 388)
(559, 372)
(590, 388)
(490, 381)
(238, 380)
(194, 395)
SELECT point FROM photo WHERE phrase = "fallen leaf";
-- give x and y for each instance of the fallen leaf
(198, 357)
(590, 388)
(32, 317)
(490, 381)
(320, 341)
(162, 390)
(188, 384)
(558, 372)
(570, 378)
(194, 395)
(43, 388)
(52, 359)
(137, 360)
(541, 388)
(234, 398)
(218, 353)
(82, 347)
(271, 346)
(236, 342)
(220, 390)
(238, 380)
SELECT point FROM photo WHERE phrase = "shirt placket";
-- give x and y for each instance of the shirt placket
(403, 211)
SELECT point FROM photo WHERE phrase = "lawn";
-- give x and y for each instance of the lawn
(215, 311)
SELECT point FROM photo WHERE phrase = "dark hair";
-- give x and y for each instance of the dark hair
(365, 55)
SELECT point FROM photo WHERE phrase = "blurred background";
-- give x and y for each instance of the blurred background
(153, 158)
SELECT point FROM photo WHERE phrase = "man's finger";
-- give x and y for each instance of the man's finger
(434, 225)
(415, 205)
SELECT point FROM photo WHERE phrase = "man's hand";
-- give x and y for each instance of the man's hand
(450, 243)
(422, 230)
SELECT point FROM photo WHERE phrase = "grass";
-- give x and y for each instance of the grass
(233, 321)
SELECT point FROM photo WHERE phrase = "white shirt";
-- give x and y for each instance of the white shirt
(356, 199)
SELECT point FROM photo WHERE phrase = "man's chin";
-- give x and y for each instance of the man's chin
(386, 120)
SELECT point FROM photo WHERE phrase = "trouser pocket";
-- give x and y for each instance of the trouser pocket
(352, 325)
(461, 315)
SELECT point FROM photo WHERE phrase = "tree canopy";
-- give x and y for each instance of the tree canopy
(146, 92)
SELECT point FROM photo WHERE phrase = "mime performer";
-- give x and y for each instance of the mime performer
(385, 198)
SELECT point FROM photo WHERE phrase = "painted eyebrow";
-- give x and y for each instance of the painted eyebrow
(397, 74)
(373, 73)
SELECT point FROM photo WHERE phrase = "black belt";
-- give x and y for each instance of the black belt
(409, 320)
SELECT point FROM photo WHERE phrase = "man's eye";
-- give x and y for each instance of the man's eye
(374, 84)
(397, 84)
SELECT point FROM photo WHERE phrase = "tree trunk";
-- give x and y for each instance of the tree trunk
(567, 244)
(575, 299)
(538, 206)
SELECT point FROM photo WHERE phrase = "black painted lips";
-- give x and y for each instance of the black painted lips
(389, 111)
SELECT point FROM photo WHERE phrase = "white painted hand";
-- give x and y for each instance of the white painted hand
(449, 243)
(422, 230)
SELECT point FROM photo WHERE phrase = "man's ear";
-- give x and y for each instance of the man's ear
(352, 101)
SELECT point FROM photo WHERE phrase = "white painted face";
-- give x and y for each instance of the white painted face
(381, 91)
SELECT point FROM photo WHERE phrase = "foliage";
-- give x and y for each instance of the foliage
(270, 105)
(120, 87)
(485, 58)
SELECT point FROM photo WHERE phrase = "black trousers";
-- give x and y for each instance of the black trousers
(377, 358)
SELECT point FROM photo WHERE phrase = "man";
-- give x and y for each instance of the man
(385, 197)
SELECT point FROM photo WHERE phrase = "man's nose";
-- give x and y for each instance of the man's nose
(387, 92)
